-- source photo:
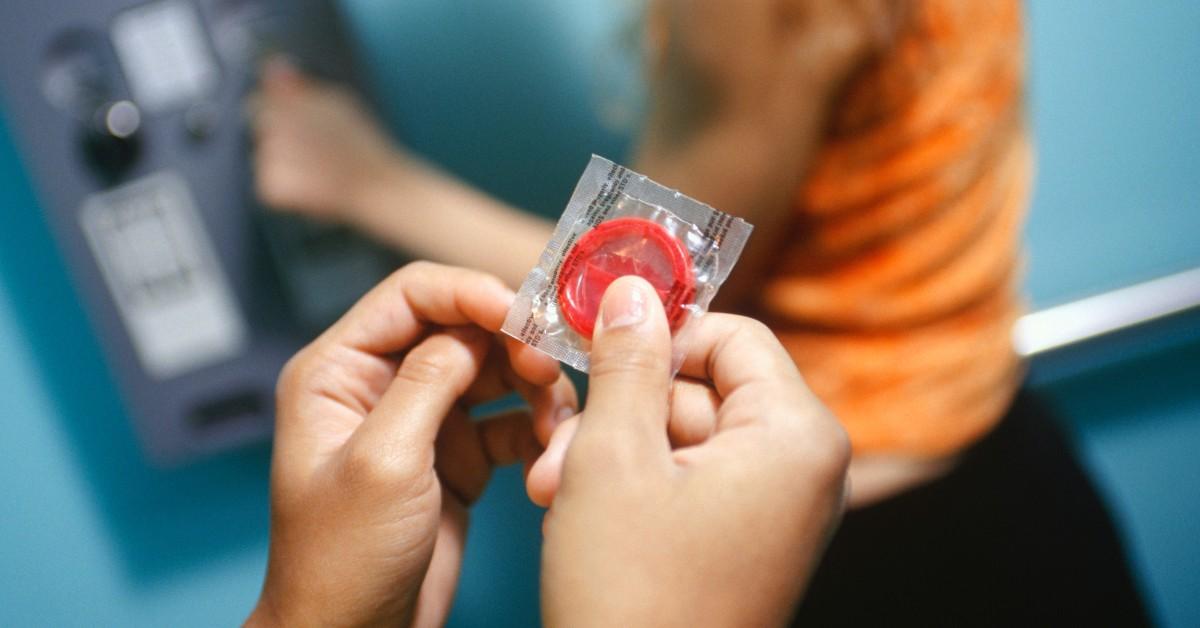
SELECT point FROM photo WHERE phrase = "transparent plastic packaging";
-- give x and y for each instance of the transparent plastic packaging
(617, 223)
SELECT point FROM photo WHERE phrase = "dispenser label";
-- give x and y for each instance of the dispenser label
(159, 264)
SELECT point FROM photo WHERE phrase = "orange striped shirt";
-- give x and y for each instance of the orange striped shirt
(898, 293)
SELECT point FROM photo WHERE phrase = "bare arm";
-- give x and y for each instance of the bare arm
(319, 152)
(739, 104)
(740, 95)
(419, 208)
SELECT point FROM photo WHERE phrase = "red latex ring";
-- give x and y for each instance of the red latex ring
(619, 247)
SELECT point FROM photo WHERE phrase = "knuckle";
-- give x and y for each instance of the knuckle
(497, 284)
(394, 283)
(419, 267)
(294, 372)
(367, 468)
(600, 451)
(837, 451)
(618, 359)
(689, 429)
(754, 330)
(426, 366)
(424, 270)
(826, 450)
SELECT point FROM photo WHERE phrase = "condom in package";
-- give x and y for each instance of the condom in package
(619, 223)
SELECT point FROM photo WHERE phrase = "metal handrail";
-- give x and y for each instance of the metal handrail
(1071, 323)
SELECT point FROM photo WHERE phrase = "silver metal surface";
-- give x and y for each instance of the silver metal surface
(1077, 321)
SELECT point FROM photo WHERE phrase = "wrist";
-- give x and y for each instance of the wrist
(374, 183)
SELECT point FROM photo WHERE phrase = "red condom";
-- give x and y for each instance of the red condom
(624, 246)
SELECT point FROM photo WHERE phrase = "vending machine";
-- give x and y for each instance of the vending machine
(129, 116)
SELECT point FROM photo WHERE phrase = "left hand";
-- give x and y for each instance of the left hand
(376, 460)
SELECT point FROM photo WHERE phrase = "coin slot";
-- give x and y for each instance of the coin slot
(241, 407)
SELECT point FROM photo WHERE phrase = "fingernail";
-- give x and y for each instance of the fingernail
(624, 305)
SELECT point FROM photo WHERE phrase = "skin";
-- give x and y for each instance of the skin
(375, 465)
(740, 92)
(753, 78)
(716, 521)
(318, 152)
(375, 461)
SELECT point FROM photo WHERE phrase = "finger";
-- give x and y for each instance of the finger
(630, 374)
(758, 385)
(694, 406)
(693, 419)
(545, 476)
(467, 451)
(551, 406)
(508, 439)
(399, 311)
(735, 352)
(428, 384)
(459, 458)
(548, 404)
(433, 603)
(532, 365)
(496, 380)
(501, 376)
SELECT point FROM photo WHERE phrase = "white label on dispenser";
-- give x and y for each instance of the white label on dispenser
(165, 54)
(160, 267)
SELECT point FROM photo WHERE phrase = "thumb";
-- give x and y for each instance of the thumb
(630, 379)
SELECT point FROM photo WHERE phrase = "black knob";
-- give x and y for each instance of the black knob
(111, 142)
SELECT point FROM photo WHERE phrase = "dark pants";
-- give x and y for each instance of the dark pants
(1014, 536)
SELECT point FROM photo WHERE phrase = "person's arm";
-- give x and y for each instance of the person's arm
(740, 94)
(427, 212)
(738, 102)
(320, 153)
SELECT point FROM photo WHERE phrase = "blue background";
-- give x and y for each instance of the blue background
(509, 94)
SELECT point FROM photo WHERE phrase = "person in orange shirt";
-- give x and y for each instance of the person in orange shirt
(882, 152)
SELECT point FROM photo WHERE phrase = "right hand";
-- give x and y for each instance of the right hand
(317, 147)
(724, 529)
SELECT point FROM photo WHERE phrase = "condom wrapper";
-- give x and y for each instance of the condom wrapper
(619, 223)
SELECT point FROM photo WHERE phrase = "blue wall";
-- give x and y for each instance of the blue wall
(507, 94)
(1113, 92)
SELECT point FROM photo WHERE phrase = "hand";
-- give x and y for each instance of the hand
(317, 148)
(376, 460)
(722, 530)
